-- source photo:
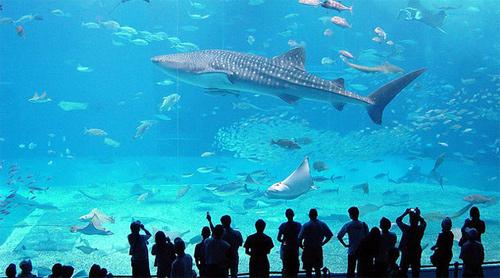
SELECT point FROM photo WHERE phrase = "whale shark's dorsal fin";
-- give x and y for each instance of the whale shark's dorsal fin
(301, 177)
(295, 57)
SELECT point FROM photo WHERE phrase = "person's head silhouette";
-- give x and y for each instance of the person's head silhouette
(67, 271)
(226, 221)
(474, 213)
(289, 214)
(218, 231)
(26, 266)
(57, 270)
(313, 214)
(160, 238)
(135, 227)
(205, 232)
(385, 224)
(353, 213)
(260, 225)
(446, 224)
(179, 246)
(10, 271)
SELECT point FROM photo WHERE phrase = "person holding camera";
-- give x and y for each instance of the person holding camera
(410, 244)
(139, 250)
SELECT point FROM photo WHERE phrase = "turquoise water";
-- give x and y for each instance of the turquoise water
(92, 58)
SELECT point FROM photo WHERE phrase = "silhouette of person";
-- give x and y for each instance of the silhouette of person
(258, 246)
(10, 271)
(199, 252)
(313, 235)
(388, 241)
(288, 234)
(182, 267)
(473, 222)
(57, 270)
(366, 252)
(163, 250)
(411, 250)
(356, 231)
(95, 271)
(26, 268)
(67, 271)
(216, 254)
(234, 239)
(442, 249)
(139, 250)
(472, 254)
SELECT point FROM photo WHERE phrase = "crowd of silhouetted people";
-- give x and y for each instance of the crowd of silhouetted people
(372, 252)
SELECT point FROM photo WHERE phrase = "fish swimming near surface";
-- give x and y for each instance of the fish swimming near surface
(296, 184)
(283, 76)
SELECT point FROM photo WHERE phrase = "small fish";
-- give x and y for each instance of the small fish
(381, 175)
(95, 132)
(340, 21)
(20, 31)
(286, 144)
(207, 154)
(320, 166)
(205, 170)
(169, 102)
(346, 54)
(376, 161)
(335, 5)
(187, 175)
(84, 69)
(328, 32)
(333, 178)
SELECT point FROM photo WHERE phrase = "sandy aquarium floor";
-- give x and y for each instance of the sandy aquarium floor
(169, 194)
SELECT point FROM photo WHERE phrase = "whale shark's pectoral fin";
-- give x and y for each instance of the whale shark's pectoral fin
(338, 105)
(225, 75)
(289, 98)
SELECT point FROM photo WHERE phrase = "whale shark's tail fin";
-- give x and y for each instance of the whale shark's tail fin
(386, 93)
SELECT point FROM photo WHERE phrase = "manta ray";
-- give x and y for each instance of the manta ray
(298, 183)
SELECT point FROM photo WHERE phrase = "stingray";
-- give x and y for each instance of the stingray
(94, 227)
(416, 11)
(298, 183)
(85, 247)
(228, 189)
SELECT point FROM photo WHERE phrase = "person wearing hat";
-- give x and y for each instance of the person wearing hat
(472, 254)
(442, 249)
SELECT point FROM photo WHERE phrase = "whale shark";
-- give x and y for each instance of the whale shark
(296, 184)
(283, 76)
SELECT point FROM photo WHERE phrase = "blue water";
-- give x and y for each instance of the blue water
(452, 109)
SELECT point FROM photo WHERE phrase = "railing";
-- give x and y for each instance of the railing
(455, 267)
